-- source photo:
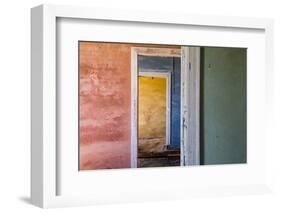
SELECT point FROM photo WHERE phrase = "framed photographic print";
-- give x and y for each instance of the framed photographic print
(130, 106)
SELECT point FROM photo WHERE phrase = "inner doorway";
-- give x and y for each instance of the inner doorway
(182, 144)
(158, 111)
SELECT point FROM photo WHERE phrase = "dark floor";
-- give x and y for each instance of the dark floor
(159, 159)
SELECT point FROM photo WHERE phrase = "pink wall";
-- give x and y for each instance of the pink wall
(104, 105)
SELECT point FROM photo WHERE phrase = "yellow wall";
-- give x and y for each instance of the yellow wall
(152, 107)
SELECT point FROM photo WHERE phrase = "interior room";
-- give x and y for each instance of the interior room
(140, 105)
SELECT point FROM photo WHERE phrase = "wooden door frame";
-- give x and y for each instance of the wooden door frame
(190, 106)
(190, 96)
(167, 76)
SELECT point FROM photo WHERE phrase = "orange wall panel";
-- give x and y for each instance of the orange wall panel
(105, 105)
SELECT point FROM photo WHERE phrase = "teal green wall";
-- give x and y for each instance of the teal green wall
(223, 105)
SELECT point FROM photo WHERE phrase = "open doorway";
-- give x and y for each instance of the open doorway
(154, 101)
(171, 140)
(158, 107)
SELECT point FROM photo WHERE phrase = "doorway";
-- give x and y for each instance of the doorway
(164, 124)
(154, 92)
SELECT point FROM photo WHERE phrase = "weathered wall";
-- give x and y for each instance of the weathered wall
(104, 105)
(223, 105)
(152, 114)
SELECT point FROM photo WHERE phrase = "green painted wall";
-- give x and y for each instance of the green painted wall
(223, 105)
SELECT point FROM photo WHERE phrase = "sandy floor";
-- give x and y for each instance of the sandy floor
(151, 145)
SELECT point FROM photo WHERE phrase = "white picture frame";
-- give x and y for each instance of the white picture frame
(45, 168)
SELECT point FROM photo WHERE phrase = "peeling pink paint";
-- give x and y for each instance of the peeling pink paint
(104, 105)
